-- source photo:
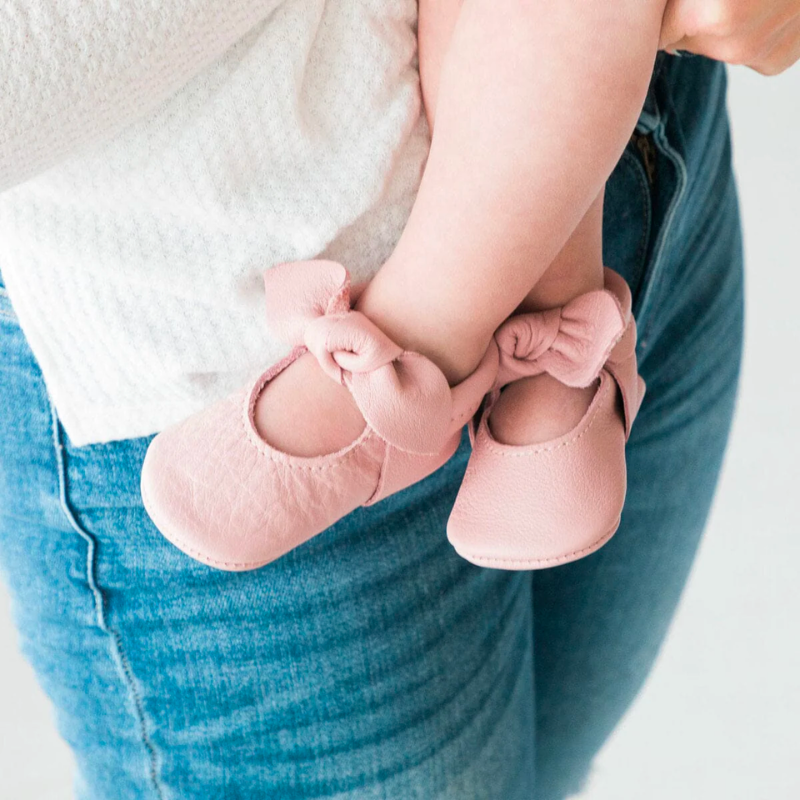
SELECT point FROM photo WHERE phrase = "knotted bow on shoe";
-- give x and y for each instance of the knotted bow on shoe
(575, 342)
(570, 343)
(403, 396)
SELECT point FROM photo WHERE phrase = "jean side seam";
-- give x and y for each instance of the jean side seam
(100, 605)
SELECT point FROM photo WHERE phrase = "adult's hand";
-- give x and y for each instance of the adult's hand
(762, 34)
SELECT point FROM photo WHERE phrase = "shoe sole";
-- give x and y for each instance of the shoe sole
(537, 563)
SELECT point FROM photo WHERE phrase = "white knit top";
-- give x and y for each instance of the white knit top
(156, 157)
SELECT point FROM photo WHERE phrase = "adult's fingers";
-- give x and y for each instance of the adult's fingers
(674, 26)
(696, 20)
(768, 51)
(784, 52)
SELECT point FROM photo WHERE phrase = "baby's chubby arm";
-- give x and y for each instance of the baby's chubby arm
(534, 103)
(437, 21)
(568, 76)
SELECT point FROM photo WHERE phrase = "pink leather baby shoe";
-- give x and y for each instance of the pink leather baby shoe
(541, 505)
(224, 496)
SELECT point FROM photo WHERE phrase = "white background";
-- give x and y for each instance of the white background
(718, 719)
(720, 716)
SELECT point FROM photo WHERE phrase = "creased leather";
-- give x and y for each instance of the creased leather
(227, 498)
(570, 343)
(546, 504)
(403, 396)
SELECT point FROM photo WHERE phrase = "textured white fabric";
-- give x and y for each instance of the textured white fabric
(156, 157)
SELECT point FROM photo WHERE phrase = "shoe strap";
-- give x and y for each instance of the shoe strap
(623, 368)
(622, 362)
(403, 396)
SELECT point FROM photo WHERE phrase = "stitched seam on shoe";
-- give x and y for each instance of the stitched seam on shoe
(213, 562)
(526, 449)
(539, 561)
(278, 457)
(283, 458)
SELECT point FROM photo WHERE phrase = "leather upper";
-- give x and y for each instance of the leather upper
(539, 505)
(228, 498)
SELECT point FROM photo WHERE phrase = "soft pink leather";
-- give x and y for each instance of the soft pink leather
(546, 504)
(227, 498)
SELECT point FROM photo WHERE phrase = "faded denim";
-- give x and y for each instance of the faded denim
(373, 662)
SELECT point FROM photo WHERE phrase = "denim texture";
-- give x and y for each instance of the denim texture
(373, 662)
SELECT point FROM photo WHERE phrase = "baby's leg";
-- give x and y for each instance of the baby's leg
(541, 408)
(521, 415)
(537, 102)
(578, 267)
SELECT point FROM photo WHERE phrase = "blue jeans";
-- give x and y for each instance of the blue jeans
(373, 662)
